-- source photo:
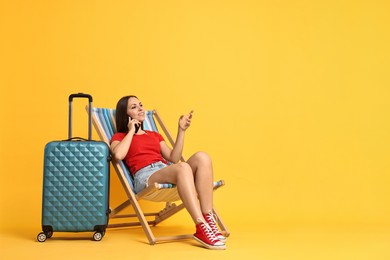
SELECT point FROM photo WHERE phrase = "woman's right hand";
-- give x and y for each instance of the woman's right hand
(132, 123)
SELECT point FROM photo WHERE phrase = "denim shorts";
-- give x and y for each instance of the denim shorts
(141, 177)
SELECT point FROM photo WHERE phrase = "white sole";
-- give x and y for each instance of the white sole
(223, 240)
(223, 247)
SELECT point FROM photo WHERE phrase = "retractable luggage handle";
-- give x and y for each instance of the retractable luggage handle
(80, 95)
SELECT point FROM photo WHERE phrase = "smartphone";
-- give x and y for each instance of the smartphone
(137, 126)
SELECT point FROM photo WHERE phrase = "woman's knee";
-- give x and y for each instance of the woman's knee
(184, 172)
(202, 157)
(183, 167)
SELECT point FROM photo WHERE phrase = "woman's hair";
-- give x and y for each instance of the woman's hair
(121, 117)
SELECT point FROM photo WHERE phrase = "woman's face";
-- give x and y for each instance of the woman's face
(135, 109)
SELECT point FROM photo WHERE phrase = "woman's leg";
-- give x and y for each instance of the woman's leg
(202, 169)
(181, 175)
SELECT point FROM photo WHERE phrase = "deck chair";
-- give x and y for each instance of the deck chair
(104, 122)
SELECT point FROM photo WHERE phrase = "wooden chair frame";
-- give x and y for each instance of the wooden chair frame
(133, 199)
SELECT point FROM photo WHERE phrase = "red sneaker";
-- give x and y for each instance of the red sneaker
(205, 235)
(211, 220)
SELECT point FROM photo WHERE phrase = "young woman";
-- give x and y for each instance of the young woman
(146, 154)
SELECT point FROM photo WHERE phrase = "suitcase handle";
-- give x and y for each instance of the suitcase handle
(80, 95)
(76, 139)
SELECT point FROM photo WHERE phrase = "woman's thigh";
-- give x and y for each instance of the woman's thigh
(169, 174)
(142, 176)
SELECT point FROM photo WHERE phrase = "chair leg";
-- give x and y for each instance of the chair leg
(221, 224)
(119, 208)
(144, 223)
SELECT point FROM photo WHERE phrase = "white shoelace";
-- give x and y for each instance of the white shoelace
(208, 230)
(212, 219)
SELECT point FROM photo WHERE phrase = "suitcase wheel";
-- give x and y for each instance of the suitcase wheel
(44, 235)
(98, 235)
(49, 234)
(41, 237)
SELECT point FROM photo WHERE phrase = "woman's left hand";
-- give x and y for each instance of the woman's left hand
(185, 121)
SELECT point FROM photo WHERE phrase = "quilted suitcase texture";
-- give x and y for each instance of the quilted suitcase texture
(75, 186)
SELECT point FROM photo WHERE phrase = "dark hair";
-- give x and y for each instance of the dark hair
(121, 117)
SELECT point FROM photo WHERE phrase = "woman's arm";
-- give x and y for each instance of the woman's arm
(119, 149)
(174, 155)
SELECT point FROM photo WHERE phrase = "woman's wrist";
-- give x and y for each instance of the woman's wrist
(131, 131)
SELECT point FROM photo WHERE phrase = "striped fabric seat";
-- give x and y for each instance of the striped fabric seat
(104, 122)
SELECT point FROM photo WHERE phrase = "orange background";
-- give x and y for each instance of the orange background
(291, 98)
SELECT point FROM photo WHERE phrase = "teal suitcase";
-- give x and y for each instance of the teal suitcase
(76, 179)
